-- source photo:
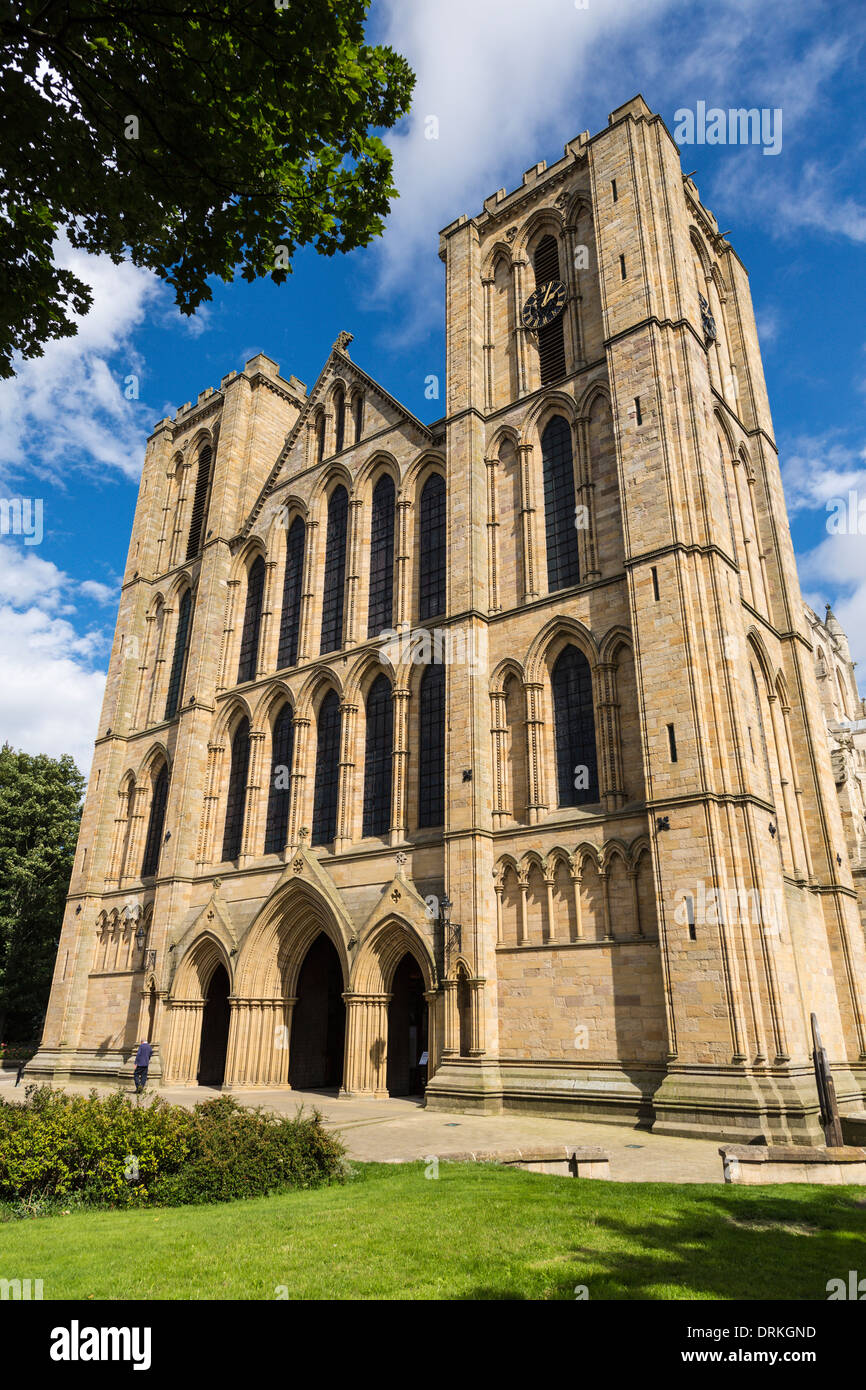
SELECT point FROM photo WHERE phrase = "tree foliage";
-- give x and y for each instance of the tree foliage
(40, 812)
(198, 139)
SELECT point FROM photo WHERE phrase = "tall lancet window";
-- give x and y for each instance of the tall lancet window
(153, 844)
(327, 770)
(551, 340)
(432, 550)
(574, 721)
(334, 578)
(279, 795)
(199, 502)
(290, 618)
(563, 560)
(236, 801)
(431, 746)
(178, 660)
(252, 621)
(381, 606)
(339, 419)
(377, 760)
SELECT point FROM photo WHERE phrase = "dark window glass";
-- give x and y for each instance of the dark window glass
(359, 417)
(199, 503)
(334, 578)
(563, 561)
(320, 437)
(279, 796)
(178, 660)
(290, 618)
(431, 746)
(237, 794)
(252, 621)
(551, 342)
(381, 606)
(576, 760)
(153, 843)
(327, 771)
(377, 758)
(339, 420)
(432, 548)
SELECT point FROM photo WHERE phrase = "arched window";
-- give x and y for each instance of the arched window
(339, 419)
(563, 561)
(381, 605)
(320, 436)
(199, 502)
(574, 721)
(153, 843)
(377, 759)
(334, 578)
(358, 413)
(178, 660)
(279, 796)
(236, 800)
(432, 548)
(252, 620)
(431, 746)
(327, 770)
(551, 342)
(290, 618)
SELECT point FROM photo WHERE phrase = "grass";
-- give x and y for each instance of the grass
(477, 1232)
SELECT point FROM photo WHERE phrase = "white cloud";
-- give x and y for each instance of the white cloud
(68, 408)
(52, 687)
(817, 468)
(100, 593)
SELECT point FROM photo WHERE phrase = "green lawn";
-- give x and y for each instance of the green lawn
(475, 1232)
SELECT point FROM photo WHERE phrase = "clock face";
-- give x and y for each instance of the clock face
(544, 304)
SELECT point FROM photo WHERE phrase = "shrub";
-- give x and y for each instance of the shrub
(113, 1152)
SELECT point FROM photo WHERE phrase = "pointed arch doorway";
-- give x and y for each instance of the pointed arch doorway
(214, 1030)
(407, 1030)
(318, 1021)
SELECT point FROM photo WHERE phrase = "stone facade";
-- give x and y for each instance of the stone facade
(652, 952)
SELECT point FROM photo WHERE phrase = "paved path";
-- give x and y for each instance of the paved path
(403, 1129)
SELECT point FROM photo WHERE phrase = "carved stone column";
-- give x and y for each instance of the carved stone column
(226, 675)
(527, 521)
(365, 1068)
(403, 563)
(492, 537)
(586, 535)
(576, 876)
(213, 782)
(400, 766)
(351, 626)
(451, 1030)
(518, 279)
(501, 779)
(477, 1047)
(253, 839)
(181, 1063)
(535, 779)
(308, 593)
(523, 885)
(635, 902)
(346, 787)
(434, 1032)
(609, 737)
(266, 659)
(297, 801)
(260, 1033)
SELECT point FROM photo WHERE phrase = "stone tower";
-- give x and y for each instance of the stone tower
(488, 753)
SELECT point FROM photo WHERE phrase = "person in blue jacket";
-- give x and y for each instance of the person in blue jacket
(142, 1062)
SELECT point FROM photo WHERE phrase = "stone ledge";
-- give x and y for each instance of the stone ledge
(562, 1159)
(758, 1163)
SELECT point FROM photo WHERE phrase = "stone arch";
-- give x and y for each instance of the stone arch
(276, 945)
(379, 462)
(200, 958)
(539, 224)
(383, 949)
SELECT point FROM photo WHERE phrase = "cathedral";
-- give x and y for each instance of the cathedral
(498, 759)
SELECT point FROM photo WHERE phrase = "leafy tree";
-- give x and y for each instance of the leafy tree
(196, 138)
(40, 812)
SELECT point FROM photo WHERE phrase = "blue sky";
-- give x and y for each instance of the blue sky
(509, 83)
